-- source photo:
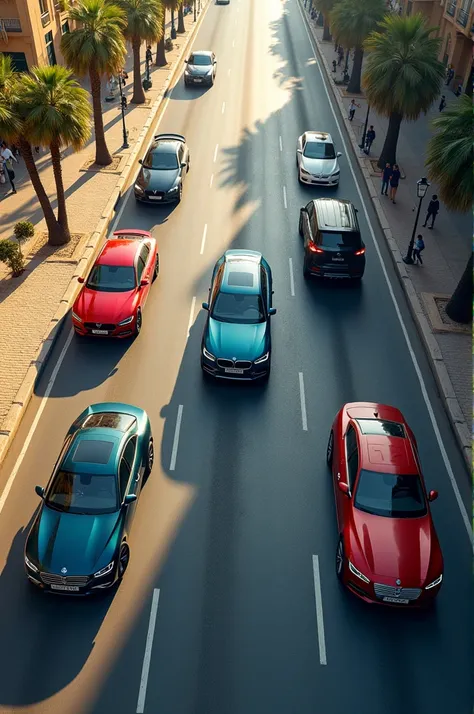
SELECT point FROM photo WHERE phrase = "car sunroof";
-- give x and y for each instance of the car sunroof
(92, 451)
(109, 420)
(379, 427)
(240, 279)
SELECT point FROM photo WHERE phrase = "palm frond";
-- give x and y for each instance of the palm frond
(144, 18)
(352, 21)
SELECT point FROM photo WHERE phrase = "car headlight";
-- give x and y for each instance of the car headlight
(174, 189)
(306, 173)
(357, 573)
(263, 358)
(209, 71)
(105, 571)
(435, 582)
(127, 320)
(76, 317)
(31, 565)
(187, 72)
(208, 355)
(335, 173)
(138, 188)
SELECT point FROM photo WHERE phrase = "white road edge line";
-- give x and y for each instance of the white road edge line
(285, 202)
(281, 144)
(191, 315)
(303, 403)
(223, 107)
(212, 179)
(319, 610)
(32, 430)
(292, 278)
(147, 655)
(174, 452)
(203, 242)
(414, 360)
(215, 152)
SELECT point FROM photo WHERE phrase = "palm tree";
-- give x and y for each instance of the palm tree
(181, 25)
(325, 7)
(144, 22)
(352, 21)
(12, 128)
(450, 158)
(402, 74)
(96, 47)
(161, 60)
(57, 113)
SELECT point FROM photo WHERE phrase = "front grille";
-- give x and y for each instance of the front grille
(391, 591)
(243, 364)
(73, 580)
(155, 193)
(99, 326)
(225, 363)
(231, 364)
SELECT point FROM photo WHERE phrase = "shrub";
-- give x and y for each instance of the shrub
(10, 254)
(23, 230)
(168, 44)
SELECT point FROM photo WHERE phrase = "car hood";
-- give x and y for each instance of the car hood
(319, 166)
(199, 70)
(231, 341)
(399, 548)
(98, 306)
(68, 540)
(158, 180)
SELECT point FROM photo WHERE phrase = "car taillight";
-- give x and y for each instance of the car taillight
(314, 248)
(360, 252)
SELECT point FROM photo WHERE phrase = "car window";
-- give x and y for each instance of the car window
(140, 268)
(217, 282)
(344, 239)
(319, 150)
(181, 153)
(112, 278)
(238, 308)
(264, 281)
(200, 60)
(352, 456)
(390, 495)
(157, 158)
(310, 209)
(124, 477)
(83, 493)
(129, 453)
(145, 252)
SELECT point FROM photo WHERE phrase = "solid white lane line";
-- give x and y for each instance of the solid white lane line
(319, 610)
(203, 242)
(191, 315)
(212, 179)
(411, 351)
(32, 430)
(303, 403)
(148, 648)
(292, 278)
(174, 452)
(284, 197)
(281, 144)
(215, 152)
(223, 107)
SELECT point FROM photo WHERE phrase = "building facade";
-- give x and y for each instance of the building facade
(31, 30)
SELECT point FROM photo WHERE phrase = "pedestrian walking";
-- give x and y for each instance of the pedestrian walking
(394, 181)
(334, 64)
(8, 159)
(352, 109)
(387, 172)
(148, 54)
(419, 246)
(450, 74)
(433, 210)
(442, 103)
(369, 139)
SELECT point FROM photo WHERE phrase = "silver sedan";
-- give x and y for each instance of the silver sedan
(316, 159)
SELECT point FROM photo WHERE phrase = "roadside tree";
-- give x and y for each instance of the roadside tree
(325, 7)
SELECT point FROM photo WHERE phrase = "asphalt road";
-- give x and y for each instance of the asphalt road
(223, 545)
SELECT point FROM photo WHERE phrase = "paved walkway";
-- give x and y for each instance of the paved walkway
(448, 245)
(28, 303)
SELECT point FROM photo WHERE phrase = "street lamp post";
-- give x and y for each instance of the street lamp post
(123, 106)
(422, 186)
(362, 143)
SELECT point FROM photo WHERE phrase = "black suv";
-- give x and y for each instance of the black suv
(333, 247)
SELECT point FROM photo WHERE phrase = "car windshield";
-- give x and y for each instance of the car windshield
(161, 160)
(112, 278)
(200, 60)
(345, 239)
(239, 308)
(390, 495)
(83, 493)
(319, 150)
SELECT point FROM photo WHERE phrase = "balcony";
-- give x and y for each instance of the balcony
(462, 17)
(11, 24)
(451, 9)
(45, 18)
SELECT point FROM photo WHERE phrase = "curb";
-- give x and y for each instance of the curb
(438, 366)
(22, 398)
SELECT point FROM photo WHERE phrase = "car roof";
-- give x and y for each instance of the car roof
(206, 53)
(119, 252)
(166, 146)
(318, 136)
(335, 214)
(242, 273)
(99, 448)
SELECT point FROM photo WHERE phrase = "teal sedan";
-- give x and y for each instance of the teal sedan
(236, 343)
(78, 543)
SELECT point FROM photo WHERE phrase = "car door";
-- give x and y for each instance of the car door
(130, 475)
(142, 274)
(270, 282)
(300, 146)
(347, 473)
(214, 65)
(181, 160)
(308, 221)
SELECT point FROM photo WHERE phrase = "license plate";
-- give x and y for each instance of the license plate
(232, 370)
(155, 198)
(396, 600)
(198, 80)
(68, 588)
(338, 260)
(100, 332)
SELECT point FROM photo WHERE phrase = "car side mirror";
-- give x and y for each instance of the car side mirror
(185, 61)
(140, 161)
(205, 306)
(339, 153)
(144, 282)
(39, 491)
(130, 499)
(303, 211)
(299, 151)
(183, 164)
(343, 487)
(272, 311)
(215, 62)
(80, 280)
(433, 495)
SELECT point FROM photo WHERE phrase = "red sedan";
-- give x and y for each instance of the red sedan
(112, 299)
(388, 551)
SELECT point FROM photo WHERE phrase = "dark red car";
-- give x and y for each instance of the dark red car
(113, 297)
(388, 551)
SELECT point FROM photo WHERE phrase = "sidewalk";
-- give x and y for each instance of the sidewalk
(448, 245)
(29, 304)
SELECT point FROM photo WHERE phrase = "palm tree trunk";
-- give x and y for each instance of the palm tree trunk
(102, 154)
(326, 32)
(181, 27)
(55, 231)
(160, 60)
(459, 308)
(138, 91)
(58, 179)
(354, 82)
(389, 151)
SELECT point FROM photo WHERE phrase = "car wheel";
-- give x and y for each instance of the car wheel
(124, 559)
(150, 458)
(340, 559)
(300, 226)
(306, 273)
(330, 449)
(157, 268)
(139, 322)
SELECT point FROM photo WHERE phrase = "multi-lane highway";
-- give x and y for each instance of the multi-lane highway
(230, 604)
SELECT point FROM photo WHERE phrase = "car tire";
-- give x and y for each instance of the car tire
(138, 322)
(156, 271)
(340, 556)
(330, 449)
(124, 559)
(300, 226)
(150, 458)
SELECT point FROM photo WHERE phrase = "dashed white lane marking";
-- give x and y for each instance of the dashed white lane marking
(174, 452)
(215, 152)
(233, 43)
(284, 197)
(228, 72)
(319, 610)
(211, 181)
(191, 315)
(281, 144)
(304, 419)
(223, 107)
(292, 278)
(147, 655)
(203, 242)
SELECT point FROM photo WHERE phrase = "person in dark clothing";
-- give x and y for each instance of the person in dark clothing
(369, 139)
(433, 209)
(449, 75)
(394, 180)
(387, 172)
(442, 103)
(149, 55)
(419, 246)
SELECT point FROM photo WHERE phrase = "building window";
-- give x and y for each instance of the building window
(48, 38)
(43, 6)
(18, 61)
(65, 28)
(451, 8)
